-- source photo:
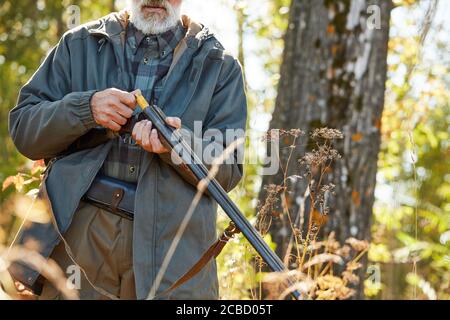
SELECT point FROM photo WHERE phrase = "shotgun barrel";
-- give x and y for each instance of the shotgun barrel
(172, 138)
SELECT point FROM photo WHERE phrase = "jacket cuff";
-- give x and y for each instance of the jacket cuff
(84, 109)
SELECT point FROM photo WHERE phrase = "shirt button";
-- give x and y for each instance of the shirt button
(145, 60)
(132, 169)
(163, 53)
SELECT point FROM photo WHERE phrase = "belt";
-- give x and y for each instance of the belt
(112, 195)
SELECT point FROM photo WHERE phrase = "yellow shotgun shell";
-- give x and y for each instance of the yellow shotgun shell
(141, 100)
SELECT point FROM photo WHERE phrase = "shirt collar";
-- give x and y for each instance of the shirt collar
(166, 41)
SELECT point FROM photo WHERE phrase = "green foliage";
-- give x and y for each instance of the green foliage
(412, 217)
(28, 30)
(271, 28)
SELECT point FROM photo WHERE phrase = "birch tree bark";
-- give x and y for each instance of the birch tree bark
(333, 75)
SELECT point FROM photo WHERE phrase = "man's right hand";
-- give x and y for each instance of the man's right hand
(112, 107)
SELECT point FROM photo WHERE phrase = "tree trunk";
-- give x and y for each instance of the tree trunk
(333, 75)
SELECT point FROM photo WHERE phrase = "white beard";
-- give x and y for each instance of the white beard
(154, 24)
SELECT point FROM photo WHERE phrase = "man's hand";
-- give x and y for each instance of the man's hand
(148, 138)
(112, 107)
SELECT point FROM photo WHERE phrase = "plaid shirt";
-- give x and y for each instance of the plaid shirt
(149, 58)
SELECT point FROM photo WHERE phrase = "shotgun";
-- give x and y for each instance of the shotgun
(171, 138)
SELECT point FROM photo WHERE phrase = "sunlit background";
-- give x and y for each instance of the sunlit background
(413, 176)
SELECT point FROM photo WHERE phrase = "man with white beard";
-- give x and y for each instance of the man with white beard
(116, 196)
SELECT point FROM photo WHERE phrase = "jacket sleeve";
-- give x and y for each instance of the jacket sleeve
(228, 110)
(48, 116)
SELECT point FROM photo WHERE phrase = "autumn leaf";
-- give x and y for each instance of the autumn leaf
(334, 50)
(38, 166)
(18, 181)
(7, 182)
(318, 218)
(378, 124)
(331, 29)
(357, 137)
(355, 198)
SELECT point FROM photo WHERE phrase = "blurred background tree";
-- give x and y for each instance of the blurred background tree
(333, 75)
(416, 112)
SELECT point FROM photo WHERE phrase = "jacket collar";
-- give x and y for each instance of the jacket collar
(166, 42)
(113, 27)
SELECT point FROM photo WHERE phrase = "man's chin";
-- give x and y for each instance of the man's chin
(154, 17)
(151, 20)
(154, 20)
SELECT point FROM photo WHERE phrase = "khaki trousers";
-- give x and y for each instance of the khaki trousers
(101, 244)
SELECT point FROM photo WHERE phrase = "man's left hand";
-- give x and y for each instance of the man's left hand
(147, 137)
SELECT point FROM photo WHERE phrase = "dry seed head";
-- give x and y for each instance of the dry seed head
(327, 134)
(267, 209)
(320, 156)
(332, 288)
(353, 265)
(275, 134)
(344, 251)
(358, 245)
(323, 258)
(350, 277)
